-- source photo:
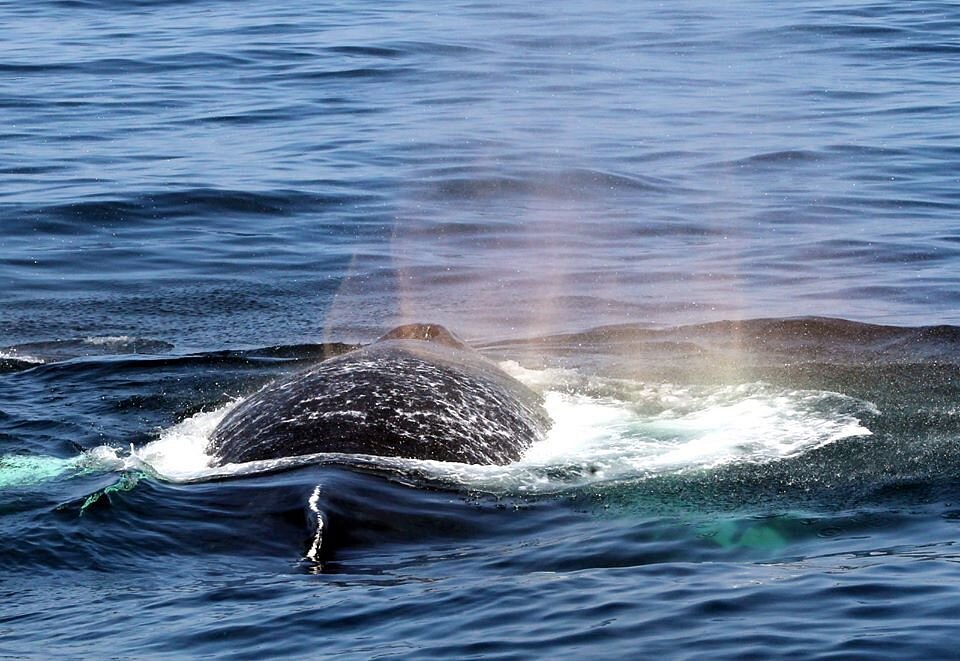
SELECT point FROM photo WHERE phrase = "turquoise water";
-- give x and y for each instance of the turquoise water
(721, 242)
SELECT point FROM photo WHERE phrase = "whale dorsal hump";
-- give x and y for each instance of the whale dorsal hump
(426, 332)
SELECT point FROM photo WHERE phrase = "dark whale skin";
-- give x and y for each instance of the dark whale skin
(417, 392)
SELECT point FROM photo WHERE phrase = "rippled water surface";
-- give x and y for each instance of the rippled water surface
(722, 242)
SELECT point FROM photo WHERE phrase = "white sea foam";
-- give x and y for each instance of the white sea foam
(646, 430)
(178, 455)
(13, 354)
(108, 339)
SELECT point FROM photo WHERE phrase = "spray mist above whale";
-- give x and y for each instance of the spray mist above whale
(418, 392)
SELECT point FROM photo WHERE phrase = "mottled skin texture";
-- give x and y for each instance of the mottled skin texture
(417, 392)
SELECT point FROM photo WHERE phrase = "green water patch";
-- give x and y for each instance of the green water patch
(18, 471)
(772, 533)
(26, 470)
(126, 482)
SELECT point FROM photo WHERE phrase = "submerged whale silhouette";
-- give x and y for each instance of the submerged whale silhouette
(417, 392)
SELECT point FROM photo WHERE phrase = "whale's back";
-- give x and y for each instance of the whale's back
(433, 399)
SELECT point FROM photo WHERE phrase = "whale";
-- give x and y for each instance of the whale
(418, 392)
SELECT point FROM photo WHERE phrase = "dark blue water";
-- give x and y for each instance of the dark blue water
(722, 241)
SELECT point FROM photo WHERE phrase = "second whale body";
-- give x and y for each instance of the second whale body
(417, 392)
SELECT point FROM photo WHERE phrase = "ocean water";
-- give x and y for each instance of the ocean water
(723, 242)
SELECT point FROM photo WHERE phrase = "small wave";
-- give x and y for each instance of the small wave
(369, 51)
(90, 215)
(355, 73)
(39, 353)
(857, 30)
(806, 339)
(788, 157)
(566, 184)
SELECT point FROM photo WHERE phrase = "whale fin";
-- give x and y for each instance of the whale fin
(426, 332)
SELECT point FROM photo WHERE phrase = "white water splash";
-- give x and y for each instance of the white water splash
(642, 430)
(13, 354)
(104, 340)
(314, 552)
(178, 455)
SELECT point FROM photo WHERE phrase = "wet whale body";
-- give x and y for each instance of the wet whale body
(417, 392)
